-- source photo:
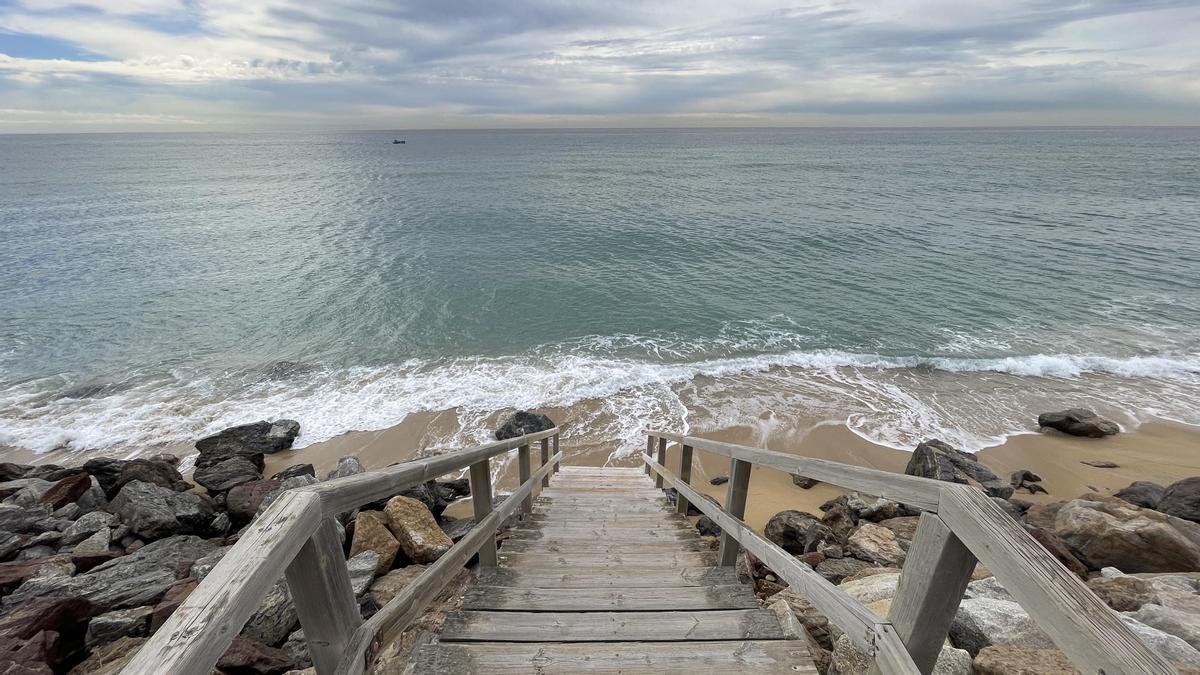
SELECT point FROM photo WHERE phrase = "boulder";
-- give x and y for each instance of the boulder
(226, 474)
(15, 518)
(346, 466)
(434, 497)
(1109, 532)
(1183, 625)
(295, 470)
(415, 528)
(109, 659)
(981, 622)
(87, 525)
(1182, 499)
(1167, 645)
(274, 618)
(1019, 660)
(875, 544)
(242, 502)
(816, 623)
(837, 569)
(112, 626)
(870, 572)
(25, 491)
(153, 512)
(904, 527)
(115, 474)
(297, 647)
(97, 543)
(797, 531)
(1079, 422)
(847, 659)
(250, 657)
(174, 596)
(1058, 549)
(804, 482)
(521, 423)
(362, 571)
(371, 533)
(708, 527)
(987, 588)
(942, 461)
(247, 440)
(1142, 493)
(873, 588)
(389, 585)
(1123, 593)
(54, 627)
(66, 491)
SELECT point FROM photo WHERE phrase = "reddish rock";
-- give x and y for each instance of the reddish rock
(28, 656)
(13, 574)
(46, 631)
(84, 562)
(243, 501)
(171, 600)
(1055, 546)
(67, 491)
(250, 657)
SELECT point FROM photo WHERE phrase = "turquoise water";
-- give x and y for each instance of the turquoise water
(908, 282)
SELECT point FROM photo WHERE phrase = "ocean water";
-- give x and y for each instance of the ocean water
(908, 283)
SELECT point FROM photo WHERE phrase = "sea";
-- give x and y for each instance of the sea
(907, 283)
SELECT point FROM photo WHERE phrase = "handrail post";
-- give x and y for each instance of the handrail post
(735, 504)
(649, 449)
(545, 459)
(481, 503)
(324, 598)
(936, 573)
(662, 459)
(524, 473)
(557, 462)
(685, 475)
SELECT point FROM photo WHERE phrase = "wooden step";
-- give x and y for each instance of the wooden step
(663, 559)
(759, 657)
(666, 531)
(694, 598)
(603, 547)
(667, 577)
(733, 624)
(539, 517)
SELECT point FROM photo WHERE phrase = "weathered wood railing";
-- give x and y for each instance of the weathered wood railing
(958, 527)
(296, 536)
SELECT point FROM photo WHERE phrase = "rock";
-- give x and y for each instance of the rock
(297, 647)
(1079, 422)
(346, 466)
(981, 622)
(456, 528)
(243, 501)
(15, 518)
(36, 552)
(275, 616)
(941, 461)
(797, 531)
(389, 585)
(904, 527)
(371, 533)
(429, 494)
(362, 571)
(987, 588)
(873, 588)
(1021, 476)
(112, 626)
(1123, 593)
(247, 440)
(1043, 515)
(870, 572)
(1109, 532)
(250, 657)
(174, 596)
(848, 660)
(718, 480)
(226, 474)
(153, 512)
(94, 499)
(1142, 493)
(295, 470)
(97, 543)
(804, 482)
(1018, 660)
(837, 569)
(53, 628)
(203, 565)
(67, 491)
(415, 528)
(115, 474)
(816, 623)
(521, 423)
(87, 525)
(1059, 549)
(111, 658)
(1100, 464)
(10, 543)
(1164, 644)
(1183, 625)
(875, 544)
(1182, 499)
(25, 491)
(708, 527)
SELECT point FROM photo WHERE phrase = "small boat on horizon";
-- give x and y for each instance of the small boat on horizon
(397, 141)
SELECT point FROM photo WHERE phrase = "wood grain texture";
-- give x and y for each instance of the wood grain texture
(599, 547)
(588, 560)
(733, 596)
(663, 531)
(777, 657)
(200, 630)
(735, 504)
(654, 577)
(662, 459)
(685, 476)
(324, 599)
(1079, 623)
(524, 471)
(481, 506)
(545, 442)
(749, 624)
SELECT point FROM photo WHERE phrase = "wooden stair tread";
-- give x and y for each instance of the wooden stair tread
(733, 624)
(610, 599)
(648, 578)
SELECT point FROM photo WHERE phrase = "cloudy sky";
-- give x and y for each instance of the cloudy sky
(93, 65)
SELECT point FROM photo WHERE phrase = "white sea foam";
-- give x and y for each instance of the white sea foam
(894, 400)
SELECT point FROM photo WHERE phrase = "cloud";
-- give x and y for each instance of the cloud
(259, 63)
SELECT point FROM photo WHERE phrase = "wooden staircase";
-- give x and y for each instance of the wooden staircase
(604, 577)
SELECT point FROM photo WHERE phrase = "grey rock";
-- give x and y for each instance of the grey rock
(987, 588)
(87, 525)
(68, 511)
(521, 423)
(941, 461)
(873, 588)
(275, 616)
(1079, 422)
(115, 625)
(247, 440)
(35, 552)
(798, 531)
(804, 482)
(1183, 625)
(94, 499)
(295, 470)
(1182, 499)
(836, 569)
(297, 647)
(362, 571)
(1142, 493)
(346, 466)
(1174, 648)
(719, 480)
(10, 543)
(204, 564)
(847, 659)
(16, 518)
(153, 512)
(97, 543)
(981, 622)
(227, 474)
(51, 538)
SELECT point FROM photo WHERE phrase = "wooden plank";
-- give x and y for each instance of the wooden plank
(662, 532)
(936, 572)
(765, 657)
(606, 470)
(692, 598)
(320, 587)
(343, 494)
(481, 505)
(545, 459)
(524, 472)
(662, 459)
(593, 547)
(555, 452)
(649, 578)
(685, 475)
(891, 658)
(922, 493)
(734, 624)
(201, 629)
(1083, 626)
(735, 504)
(649, 450)
(855, 620)
(557, 560)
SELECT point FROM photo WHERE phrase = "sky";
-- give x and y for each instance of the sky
(159, 65)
